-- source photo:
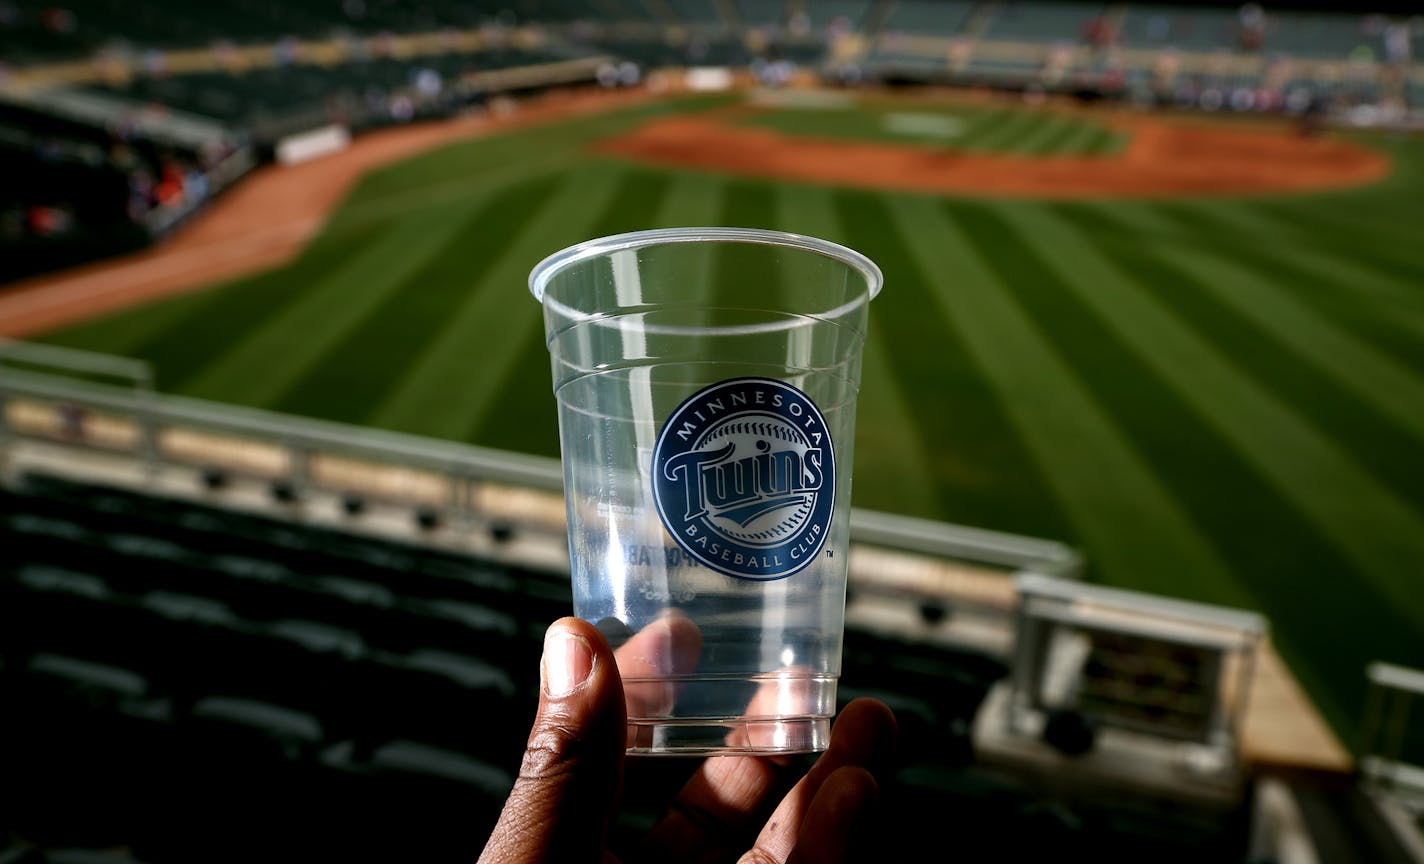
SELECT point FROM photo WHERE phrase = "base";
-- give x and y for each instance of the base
(732, 737)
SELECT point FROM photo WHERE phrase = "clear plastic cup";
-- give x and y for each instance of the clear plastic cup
(706, 381)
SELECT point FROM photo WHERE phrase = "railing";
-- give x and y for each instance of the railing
(1204, 655)
(167, 429)
(1393, 745)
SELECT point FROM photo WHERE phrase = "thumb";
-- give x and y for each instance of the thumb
(561, 804)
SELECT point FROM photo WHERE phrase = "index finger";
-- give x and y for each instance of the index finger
(718, 811)
(864, 737)
(651, 661)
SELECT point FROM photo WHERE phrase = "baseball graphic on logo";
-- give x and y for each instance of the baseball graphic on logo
(744, 478)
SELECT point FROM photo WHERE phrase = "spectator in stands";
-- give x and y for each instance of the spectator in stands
(49, 220)
(12, 224)
(1313, 114)
(71, 420)
(1165, 67)
(561, 805)
(1099, 33)
(141, 193)
(57, 19)
(1253, 26)
(1398, 43)
(169, 190)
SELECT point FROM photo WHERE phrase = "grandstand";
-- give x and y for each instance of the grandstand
(166, 619)
(282, 633)
(265, 71)
(186, 572)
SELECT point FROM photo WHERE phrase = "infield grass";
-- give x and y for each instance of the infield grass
(933, 124)
(1217, 399)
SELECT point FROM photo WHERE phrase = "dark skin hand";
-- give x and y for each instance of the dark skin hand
(565, 797)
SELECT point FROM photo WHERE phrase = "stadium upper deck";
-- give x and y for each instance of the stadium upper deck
(33, 32)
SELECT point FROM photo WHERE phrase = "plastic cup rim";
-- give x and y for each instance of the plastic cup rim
(545, 270)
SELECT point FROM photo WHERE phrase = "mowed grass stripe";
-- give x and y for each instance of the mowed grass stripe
(1353, 364)
(1329, 284)
(1178, 449)
(1075, 138)
(361, 370)
(123, 332)
(290, 343)
(528, 418)
(1224, 257)
(1354, 255)
(694, 200)
(987, 129)
(1348, 225)
(973, 452)
(364, 209)
(691, 199)
(880, 121)
(1041, 140)
(502, 152)
(1121, 510)
(1278, 560)
(977, 124)
(1004, 135)
(454, 381)
(1331, 405)
(1089, 136)
(1385, 211)
(221, 319)
(1337, 282)
(749, 204)
(739, 272)
(1102, 142)
(887, 439)
(1376, 530)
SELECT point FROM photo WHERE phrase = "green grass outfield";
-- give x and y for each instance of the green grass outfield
(1217, 399)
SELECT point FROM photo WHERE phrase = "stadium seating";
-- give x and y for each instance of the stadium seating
(198, 684)
(78, 27)
(698, 13)
(924, 18)
(191, 684)
(1040, 22)
(220, 656)
(68, 190)
(81, 27)
(762, 13)
(1183, 27)
(268, 102)
(825, 13)
(1302, 34)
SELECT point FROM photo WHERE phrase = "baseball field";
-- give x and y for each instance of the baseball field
(1206, 372)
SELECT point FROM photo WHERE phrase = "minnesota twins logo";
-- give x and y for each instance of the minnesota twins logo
(744, 478)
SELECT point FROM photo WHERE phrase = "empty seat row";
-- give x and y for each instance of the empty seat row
(249, 545)
(90, 757)
(188, 648)
(199, 685)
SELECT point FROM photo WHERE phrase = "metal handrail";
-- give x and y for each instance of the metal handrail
(1250, 625)
(73, 359)
(296, 432)
(948, 540)
(154, 411)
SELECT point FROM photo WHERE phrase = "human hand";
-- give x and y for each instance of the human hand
(565, 798)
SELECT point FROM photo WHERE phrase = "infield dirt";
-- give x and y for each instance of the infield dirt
(1162, 158)
(272, 214)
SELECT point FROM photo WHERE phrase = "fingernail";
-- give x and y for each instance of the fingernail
(568, 660)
